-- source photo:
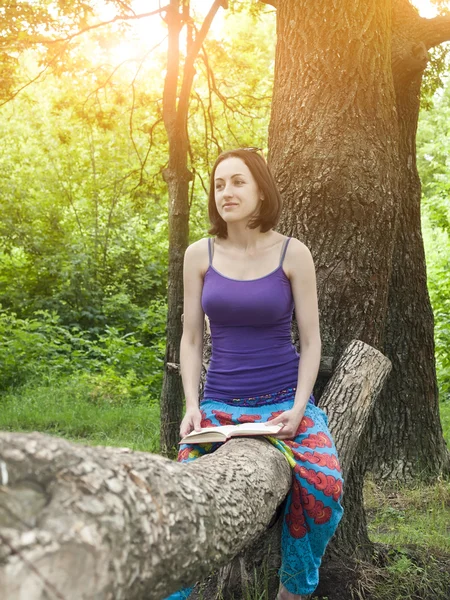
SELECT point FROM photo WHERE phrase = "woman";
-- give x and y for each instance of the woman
(248, 279)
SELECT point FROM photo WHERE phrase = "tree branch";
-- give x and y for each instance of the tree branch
(192, 55)
(436, 31)
(133, 96)
(34, 79)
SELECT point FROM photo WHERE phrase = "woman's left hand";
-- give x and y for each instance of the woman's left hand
(290, 419)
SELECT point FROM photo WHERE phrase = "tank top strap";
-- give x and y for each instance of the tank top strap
(210, 250)
(283, 252)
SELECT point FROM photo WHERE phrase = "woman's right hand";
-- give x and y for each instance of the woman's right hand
(191, 420)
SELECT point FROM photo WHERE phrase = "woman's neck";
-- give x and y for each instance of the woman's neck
(244, 238)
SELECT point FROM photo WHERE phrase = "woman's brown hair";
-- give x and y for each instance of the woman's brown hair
(270, 210)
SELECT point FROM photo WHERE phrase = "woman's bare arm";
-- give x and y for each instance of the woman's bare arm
(191, 348)
(299, 267)
(304, 289)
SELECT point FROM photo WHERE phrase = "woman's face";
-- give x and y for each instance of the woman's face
(236, 192)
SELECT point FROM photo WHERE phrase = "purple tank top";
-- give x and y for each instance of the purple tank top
(250, 320)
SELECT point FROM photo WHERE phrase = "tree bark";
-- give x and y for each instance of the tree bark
(342, 146)
(350, 396)
(406, 428)
(333, 149)
(333, 153)
(360, 374)
(103, 523)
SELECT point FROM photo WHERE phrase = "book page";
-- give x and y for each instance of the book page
(233, 430)
(254, 428)
(222, 429)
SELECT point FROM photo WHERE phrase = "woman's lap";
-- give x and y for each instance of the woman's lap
(313, 508)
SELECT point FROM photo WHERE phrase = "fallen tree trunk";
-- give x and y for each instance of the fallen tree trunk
(106, 523)
(349, 397)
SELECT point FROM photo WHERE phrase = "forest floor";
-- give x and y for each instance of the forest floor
(410, 525)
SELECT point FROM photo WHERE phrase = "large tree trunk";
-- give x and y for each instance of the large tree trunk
(333, 149)
(406, 428)
(342, 146)
(102, 523)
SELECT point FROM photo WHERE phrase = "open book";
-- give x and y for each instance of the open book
(225, 432)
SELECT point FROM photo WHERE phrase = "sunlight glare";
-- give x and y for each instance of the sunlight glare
(148, 32)
(426, 8)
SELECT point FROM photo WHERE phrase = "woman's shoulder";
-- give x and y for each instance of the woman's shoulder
(197, 255)
(298, 258)
(198, 247)
(297, 247)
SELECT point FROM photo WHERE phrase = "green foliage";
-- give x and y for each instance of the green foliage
(433, 146)
(438, 260)
(50, 26)
(434, 75)
(84, 233)
(37, 347)
(445, 420)
(77, 235)
(84, 206)
(433, 151)
(40, 349)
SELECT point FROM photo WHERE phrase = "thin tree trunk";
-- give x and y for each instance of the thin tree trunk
(177, 177)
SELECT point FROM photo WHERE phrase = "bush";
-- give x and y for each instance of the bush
(40, 349)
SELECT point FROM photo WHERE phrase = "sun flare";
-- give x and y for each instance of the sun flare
(146, 33)
(426, 8)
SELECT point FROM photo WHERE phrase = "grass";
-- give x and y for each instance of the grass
(75, 410)
(411, 526)
(408, 574)
(418, 514)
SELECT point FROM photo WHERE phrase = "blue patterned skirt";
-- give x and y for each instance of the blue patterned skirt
(313, 506)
